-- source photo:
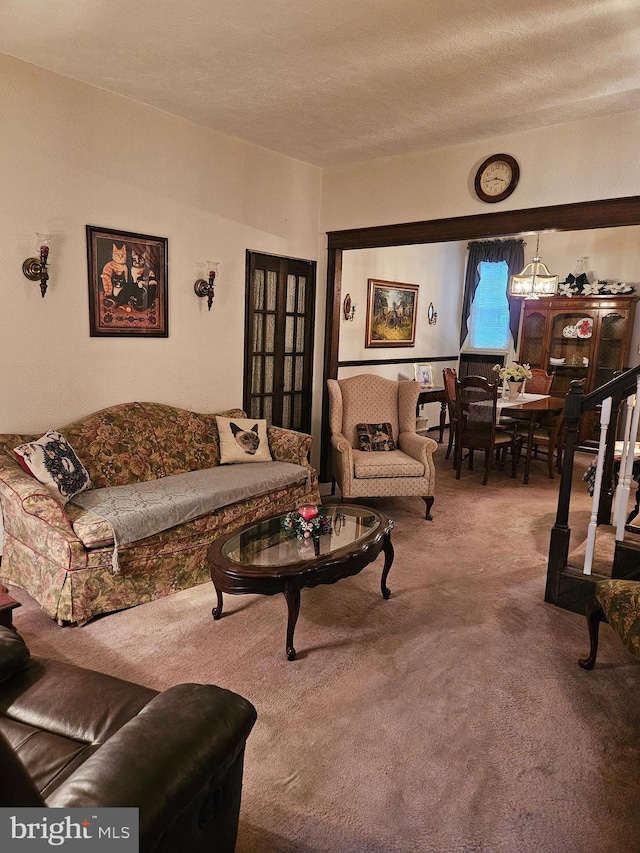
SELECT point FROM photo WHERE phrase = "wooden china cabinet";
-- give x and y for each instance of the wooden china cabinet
(591, 334)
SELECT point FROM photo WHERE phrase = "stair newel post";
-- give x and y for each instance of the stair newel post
(560, 532)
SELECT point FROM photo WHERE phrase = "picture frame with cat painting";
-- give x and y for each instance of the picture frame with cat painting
(128, 284)
(424, 375)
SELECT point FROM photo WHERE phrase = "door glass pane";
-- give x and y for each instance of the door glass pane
(300, 334)
(257, 332)
(269, 344)
(267, 408)
(258, 289)
(288, 335)
(286, 411)
(255, 410)
(299, 373)
(272, 290)
(291, 293)
(288, 371)
(302, 290)
(268, 374)
(256, 379)
(297, 411)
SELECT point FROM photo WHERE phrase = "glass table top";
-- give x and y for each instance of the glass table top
(267, 544)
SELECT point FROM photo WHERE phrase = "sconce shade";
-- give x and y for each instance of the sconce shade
(534, 281)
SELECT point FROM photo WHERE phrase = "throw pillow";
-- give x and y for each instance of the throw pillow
(53, 463)
(243, 440)
(375, 437)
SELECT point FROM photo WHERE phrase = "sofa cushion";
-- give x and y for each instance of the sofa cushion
(53, 462)
(395, 463)
(14, 653)
(243, 440)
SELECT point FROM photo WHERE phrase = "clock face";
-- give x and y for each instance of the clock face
(497, 178)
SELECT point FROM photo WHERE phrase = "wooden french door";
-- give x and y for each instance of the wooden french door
(279, 328)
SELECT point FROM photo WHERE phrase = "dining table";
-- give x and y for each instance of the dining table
(532, 408)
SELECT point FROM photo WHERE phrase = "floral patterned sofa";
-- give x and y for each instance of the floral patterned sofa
(63, 557)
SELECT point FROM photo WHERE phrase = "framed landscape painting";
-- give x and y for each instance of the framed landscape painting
(391, 314)
(127, 284)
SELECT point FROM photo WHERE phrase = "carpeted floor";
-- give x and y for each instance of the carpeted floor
(452, 718)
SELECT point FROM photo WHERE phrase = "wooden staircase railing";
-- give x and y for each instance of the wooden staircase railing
(568, 586)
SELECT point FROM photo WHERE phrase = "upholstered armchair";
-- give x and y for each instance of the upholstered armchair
(404, 471)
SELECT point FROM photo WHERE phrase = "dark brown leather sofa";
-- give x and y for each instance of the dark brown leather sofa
(71, 737)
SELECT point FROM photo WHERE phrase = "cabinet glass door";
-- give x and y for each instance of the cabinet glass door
(609, 354)
(531, 352)
(569, 348)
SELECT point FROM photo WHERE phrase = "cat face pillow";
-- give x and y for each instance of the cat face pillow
(243, 440)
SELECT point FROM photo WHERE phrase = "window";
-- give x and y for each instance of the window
(490, 309)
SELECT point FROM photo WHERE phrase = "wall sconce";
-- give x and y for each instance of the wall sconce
(348, 308)
(206, 286)
(432, 315)
(35, 269)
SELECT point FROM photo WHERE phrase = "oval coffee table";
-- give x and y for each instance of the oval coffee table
(262, 558)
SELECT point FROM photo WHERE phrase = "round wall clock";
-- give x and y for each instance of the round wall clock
(497, 178)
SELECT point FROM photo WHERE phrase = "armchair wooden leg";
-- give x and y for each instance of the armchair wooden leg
(428, 499)
(595, 615)
(333, 485)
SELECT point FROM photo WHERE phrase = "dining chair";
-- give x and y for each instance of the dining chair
(476, 404)
(540, 381)
(547, 434)
(449, 377)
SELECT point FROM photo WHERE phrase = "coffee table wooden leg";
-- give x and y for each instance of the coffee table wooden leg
(292, 594)
(388, 560)
(217, 610)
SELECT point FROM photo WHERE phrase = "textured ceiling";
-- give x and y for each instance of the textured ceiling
(337, 81)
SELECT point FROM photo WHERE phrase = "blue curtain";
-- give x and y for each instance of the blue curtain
(511, 251)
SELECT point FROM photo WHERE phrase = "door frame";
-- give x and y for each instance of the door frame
(576, 216)
(310, 322)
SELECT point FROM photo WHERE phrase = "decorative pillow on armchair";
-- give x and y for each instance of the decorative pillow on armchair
(375, 437)
(52, 461)
(243, 440)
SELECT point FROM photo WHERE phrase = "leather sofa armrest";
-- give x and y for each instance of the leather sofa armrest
(169, 761)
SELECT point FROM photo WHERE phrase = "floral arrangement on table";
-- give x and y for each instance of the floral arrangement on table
(581, 286)
(306, 521)
(513, 372)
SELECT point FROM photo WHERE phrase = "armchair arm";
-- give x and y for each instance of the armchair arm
(170, 761)
(420, 447)
(342, 462)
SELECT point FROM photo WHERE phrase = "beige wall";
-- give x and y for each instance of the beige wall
(72, 155)
(593, 159)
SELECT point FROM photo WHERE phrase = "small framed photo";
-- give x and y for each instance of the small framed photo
(127, 284)
(424, 375)
(391, 314)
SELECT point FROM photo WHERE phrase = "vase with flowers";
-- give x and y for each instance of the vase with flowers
(514, 375)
